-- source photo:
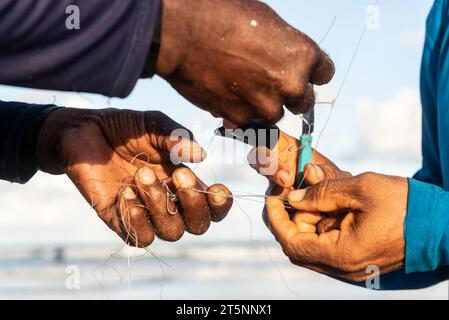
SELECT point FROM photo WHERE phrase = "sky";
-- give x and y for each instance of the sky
(374, 126)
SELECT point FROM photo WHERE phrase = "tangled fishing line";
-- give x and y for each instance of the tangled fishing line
(238, 196)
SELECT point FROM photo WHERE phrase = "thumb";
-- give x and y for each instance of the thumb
(168, 136)
(182, 149)
(313, 174)
(327, 196)
(317, 172)
(270, 165)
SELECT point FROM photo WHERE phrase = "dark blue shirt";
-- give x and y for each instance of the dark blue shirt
(107, 55)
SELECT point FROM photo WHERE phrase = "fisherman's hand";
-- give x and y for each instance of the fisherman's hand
(280, 165)
(238, 59)
(370, 209)
(122, 163)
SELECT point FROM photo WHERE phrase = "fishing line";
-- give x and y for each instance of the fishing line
(208, 148)
(249, 221)
(331, 26)
(340, 89)
(241, 196)
(256, 197)
(284, 281)
(273, 263)
(130, 260)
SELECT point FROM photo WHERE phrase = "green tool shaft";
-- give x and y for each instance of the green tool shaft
(305, 155)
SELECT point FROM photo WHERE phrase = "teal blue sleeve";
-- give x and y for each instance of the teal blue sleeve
(426, 227)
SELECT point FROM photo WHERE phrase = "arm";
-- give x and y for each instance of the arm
(412, 217)
(226, 57)
(426, 227)
(20, 125)
(107, 55)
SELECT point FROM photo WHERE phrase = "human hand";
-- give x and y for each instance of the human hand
(124, 163)
(282, 177)
(239, 60)
(371, 210)
(282, 162)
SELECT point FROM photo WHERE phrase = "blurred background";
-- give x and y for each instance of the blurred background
(49, 234)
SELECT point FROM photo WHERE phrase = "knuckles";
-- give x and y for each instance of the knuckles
(294, 88)
(271, 110)
(350, 265)
(173, 234)
(367, 179)
(319, 192)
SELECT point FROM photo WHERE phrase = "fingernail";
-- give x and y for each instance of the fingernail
(219, 197)
(197, 152)
(183, 178)
(319, 173)
(296, 196)
(129, 193)
(284, 177)
(146, 176)
(193, 151)
(187, 151)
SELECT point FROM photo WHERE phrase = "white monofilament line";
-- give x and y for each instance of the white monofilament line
(251, 197)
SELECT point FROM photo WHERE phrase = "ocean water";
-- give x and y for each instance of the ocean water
(246, 270)
(51, 241)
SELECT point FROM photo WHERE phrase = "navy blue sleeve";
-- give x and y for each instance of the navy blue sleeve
(20, 125)
(106, 55)
(115, 45)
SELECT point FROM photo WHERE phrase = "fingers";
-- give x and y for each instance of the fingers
(301, 103)
(298, 101)
(163, 214)
(133, 219)
(168, 136)
(268, 164)
(278, 219)
(275, 191)
(220, 201)
(280, 165)
(331, 223)
(307, 221)
(324, 70)
(327, 196)
(195, 208)
(299, 243)
(315, 173)
(182, 149)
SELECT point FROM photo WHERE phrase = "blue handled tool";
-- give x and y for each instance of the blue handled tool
(271, 136)
(305, 156)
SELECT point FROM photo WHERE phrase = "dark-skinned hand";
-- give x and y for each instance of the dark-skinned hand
(340, 224)
(124, 162)
(239, 60)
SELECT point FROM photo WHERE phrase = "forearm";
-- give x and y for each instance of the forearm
(20, 125)
(107, 55)
(426, 227)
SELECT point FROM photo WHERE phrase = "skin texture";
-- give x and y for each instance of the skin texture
(238, 60)
(340, 224)
(120, 162)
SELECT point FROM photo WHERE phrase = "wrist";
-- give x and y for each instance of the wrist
(173, 37)
(48, 142)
